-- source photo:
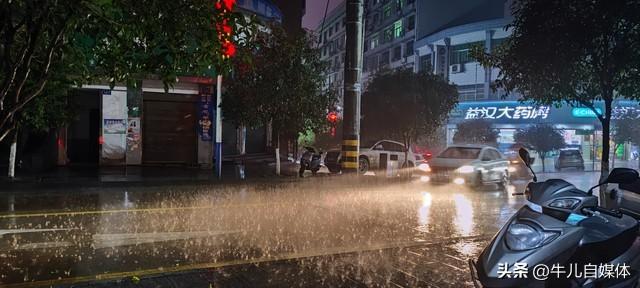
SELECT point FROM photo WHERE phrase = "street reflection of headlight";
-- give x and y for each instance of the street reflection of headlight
(458, 181)
(424, 167)
(466, 169)
(521, 237)
(425, 178)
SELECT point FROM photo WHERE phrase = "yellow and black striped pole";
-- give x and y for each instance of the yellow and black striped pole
(350, 150)
(352, 74)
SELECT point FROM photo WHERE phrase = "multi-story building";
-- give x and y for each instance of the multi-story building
(446, 33)
(389, 34)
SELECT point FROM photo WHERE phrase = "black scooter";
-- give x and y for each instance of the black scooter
(563, 227)
(310, 160)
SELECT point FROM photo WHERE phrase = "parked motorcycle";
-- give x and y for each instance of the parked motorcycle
(310, 160)
(562, 226)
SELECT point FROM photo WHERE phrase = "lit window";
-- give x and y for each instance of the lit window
(397, 29)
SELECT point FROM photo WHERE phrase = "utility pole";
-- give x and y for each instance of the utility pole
(352, 87)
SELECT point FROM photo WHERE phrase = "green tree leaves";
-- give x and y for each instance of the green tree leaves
(405, 105)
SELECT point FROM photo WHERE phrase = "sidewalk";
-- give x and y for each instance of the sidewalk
(93, 176)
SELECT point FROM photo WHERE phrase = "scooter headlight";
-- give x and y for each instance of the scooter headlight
(521, 237)
(566, 203)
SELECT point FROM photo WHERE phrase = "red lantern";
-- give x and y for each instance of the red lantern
(228, 49)
(332, 117)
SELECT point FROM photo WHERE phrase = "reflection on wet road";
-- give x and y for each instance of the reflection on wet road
(58, 238)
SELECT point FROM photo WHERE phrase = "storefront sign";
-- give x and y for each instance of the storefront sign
(205, 125)
(582, 112)
(115, 126)
(616, 113)
(507, 112)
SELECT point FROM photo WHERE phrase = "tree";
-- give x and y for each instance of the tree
(476, 132)
(118, 41)
(542, 138)
(572, 51)
(283, 87)
(626, 129)
(404, 105)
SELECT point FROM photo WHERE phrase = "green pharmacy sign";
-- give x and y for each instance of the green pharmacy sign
(585, 112)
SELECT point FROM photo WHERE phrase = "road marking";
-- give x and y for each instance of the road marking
(142, 210)
(454, 257)
(215, 265)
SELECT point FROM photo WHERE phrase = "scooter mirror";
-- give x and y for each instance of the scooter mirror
(623, 176)
(524, 155)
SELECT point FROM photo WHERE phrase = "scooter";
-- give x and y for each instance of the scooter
(562, 229)
(310, 160)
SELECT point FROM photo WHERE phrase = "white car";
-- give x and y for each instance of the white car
(374, 156)
(474, 165)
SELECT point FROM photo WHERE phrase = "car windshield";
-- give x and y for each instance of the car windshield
(460, 153)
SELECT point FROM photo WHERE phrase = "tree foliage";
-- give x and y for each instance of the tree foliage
(115, 40)
(576, 52)
(405, 105)
(543, 138)
(282, 84)
(476, 132)
(626, 129)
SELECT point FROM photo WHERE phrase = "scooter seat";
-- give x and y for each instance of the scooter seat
(605, 238)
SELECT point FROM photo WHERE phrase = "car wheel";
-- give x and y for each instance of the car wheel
(504, 182)
(478, 183)
(363, 165)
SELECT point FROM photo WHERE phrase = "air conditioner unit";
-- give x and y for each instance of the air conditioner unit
(456, 68)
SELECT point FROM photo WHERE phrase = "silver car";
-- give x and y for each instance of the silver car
(473, 165)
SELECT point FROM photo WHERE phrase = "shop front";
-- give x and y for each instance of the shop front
(580, 126)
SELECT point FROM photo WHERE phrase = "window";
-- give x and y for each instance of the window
(326, 36)
(393, 147)
(425, 63)
(388, 34)
(384, 58)
(497, 42)
(330, 31)
(375, 41)
(344, 22)
(397, 53)
(376, 17)
(398, 30)
(335, 27)
(411, 23)
(408, 51)
(460, 153)
(461, 54)
(386, 10)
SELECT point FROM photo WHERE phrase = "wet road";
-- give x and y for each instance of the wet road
(327, 229)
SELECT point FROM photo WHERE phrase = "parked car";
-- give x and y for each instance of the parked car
(373, 156)
(473, 165)
(570, 158)
(422, 151)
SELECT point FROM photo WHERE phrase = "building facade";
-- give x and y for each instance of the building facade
(446, 33)
(389, 35)
(145, 124)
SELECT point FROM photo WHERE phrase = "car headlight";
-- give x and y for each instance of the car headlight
(424, 167)
(566, 203)
(521, 237)
(466, 169)
(512, 169)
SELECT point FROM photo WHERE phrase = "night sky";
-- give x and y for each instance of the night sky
(315, 12)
